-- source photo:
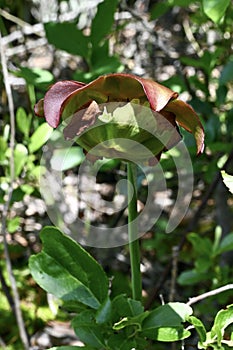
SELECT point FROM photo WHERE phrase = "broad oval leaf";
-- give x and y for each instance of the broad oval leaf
(39, 137)
(23, 121)
(66, 36)
(66, 270)
(20, 158)
(103, 21)
(66, 158)
(226, 244)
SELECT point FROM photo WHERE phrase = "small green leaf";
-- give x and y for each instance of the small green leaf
(200, 328)
(35, 76)
(20, 158)
(222, 320)
(226, 244)
(103, 21)
(87, 330)
(67, 158)
(23, 121)
(3, 148)
(123, 306)
(13, 224)
(228, 180)
(215, 9)
(40, 137)
(191, 277)
(165, 322)
(201, 245)
(66, 36)
(170, 334)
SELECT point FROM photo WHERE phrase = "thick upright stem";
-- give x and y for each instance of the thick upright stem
(134, 248)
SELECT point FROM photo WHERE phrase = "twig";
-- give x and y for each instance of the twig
(175, 253)
(191, 38)
(209, 294)
(6, 207)
(13, 19)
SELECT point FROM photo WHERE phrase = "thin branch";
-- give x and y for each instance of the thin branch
(13, 19)
(175, 252)
(209, 294)
(191, 38)
(6, 207)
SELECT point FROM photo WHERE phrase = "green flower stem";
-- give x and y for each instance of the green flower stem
(134, 248)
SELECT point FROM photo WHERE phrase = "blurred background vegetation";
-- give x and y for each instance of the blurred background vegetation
(185, 45)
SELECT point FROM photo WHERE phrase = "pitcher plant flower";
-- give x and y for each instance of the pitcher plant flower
(120, 106)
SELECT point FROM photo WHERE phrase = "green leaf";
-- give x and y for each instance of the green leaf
(203, 248)
(20, 158)
(3, 148)
(123, 306)
(159, 9)
(165, 322)
(191, 277)
(120, 341)
(104, 313)
(65, 269)
(23, 121)
(66, 36)
(67, 158)
(103, 21)
(215, 9)
(35, 76)
(222, 320)
(226, 244)
(200, 328)
(228, 180)
(40, 137)
(87, 330)
(13, 224)
(227, 73)
(201, 245)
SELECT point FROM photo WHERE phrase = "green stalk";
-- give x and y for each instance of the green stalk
(134, 248)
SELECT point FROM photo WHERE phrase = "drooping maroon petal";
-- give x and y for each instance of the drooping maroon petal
(55, 97)
(157, 94)
(188, 119)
